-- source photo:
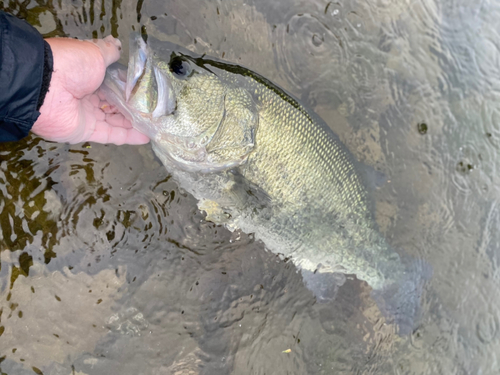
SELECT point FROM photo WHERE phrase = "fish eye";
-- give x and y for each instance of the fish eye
(180, 67)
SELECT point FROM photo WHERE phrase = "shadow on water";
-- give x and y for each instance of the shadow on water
(106, 266)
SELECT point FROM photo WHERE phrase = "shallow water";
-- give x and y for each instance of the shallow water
(108, 267)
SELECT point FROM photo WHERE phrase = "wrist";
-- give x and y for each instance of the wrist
(48, 65)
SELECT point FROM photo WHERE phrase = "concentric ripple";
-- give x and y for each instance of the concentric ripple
(307, 50)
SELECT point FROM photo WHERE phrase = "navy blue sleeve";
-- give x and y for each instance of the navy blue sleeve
(25, 71)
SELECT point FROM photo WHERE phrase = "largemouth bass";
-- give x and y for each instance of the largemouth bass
(259, 161)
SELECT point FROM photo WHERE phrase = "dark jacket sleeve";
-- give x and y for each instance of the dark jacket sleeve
(25, 71)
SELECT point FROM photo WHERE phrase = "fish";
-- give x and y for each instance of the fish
(260, 162)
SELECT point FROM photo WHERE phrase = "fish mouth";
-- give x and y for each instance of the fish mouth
(129, 87)
(141, 61)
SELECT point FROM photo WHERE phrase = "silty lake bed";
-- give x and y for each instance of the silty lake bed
(107, 267)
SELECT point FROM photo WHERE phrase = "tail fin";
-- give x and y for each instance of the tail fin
(400, 301)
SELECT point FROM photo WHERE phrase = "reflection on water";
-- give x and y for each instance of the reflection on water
(107, 267)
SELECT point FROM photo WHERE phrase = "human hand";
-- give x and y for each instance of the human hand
(72, 110)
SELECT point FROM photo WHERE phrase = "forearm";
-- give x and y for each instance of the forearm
(26, 65)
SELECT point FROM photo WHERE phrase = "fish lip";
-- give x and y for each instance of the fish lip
(141, 59)
(138, 57)
(166, 103)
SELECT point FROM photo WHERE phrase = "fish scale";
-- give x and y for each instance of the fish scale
(315, 181)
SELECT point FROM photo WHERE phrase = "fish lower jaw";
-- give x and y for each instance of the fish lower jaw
(192, 159)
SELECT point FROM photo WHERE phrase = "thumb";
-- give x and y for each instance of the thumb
(110, 49)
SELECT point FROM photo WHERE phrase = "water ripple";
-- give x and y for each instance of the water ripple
(315, 48)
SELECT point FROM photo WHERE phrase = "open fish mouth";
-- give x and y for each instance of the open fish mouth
(144, 74)
(141, 88)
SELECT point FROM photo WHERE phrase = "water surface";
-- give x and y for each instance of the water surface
(108, 267)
